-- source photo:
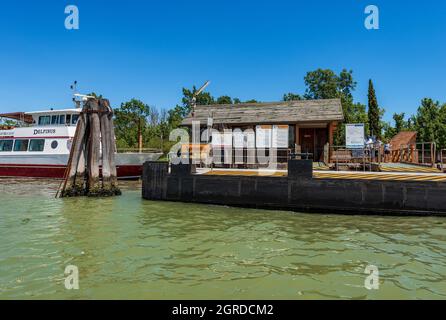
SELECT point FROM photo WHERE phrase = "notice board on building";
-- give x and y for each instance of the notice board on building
(354, 135)
(275, 136)
(239, 138)
(263, 136)
(280, 136)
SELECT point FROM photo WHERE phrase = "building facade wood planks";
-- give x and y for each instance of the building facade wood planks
(310, 124)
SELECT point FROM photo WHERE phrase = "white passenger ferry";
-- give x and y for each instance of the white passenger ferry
(40, 146)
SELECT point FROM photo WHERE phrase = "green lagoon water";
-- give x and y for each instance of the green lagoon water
(129, 248)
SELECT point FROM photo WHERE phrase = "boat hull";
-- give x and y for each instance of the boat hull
(58, 171)
(128, 166)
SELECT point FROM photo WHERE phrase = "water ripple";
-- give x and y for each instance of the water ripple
(126, 247)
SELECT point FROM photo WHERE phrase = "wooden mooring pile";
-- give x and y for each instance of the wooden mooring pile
(93, 145)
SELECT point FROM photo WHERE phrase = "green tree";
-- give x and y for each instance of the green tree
(130, 118)
(326, 84)
(442, 129)
(179, 112)
(374, 113)
(388, 131)
(430, 122)
(175, 116)
(224, 100)
(400, 123)
(321, 84)
(8, 122)
(238, 101)
(203, 98)
(291, 97)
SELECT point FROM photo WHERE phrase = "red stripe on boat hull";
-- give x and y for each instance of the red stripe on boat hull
(57, 172)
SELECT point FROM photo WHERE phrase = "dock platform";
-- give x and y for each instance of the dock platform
(349, 175)
(299, 189)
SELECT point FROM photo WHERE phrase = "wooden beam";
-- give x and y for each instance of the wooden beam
(94, 186)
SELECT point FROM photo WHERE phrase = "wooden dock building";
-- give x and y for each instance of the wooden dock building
(304, 126)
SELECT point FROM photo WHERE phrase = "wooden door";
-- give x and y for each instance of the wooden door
(306, 137)
(321, 139)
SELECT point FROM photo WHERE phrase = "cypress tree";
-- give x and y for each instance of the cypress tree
(374, 116)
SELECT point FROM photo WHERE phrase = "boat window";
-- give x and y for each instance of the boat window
(55, 120)
(36, 145)
(54, 144)
(69, 144)
(44, 120)
(62, 119)
(68, 119)
(21, 145)
(6, 145)
(74, 119)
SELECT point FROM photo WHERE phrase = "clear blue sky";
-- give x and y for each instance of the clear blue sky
(248, 49)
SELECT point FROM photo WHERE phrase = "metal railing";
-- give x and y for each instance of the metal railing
(208, 155)
(443, 159)
(423, 153)
(354, 158)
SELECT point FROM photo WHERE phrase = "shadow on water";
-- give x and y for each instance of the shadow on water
(126, 247)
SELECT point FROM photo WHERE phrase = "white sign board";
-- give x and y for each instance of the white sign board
(222, 139)
(354, 135)
(250, 138)
(263, 136)
(280, 136)
(227, 138)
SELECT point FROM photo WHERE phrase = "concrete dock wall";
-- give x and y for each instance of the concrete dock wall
(297, 192)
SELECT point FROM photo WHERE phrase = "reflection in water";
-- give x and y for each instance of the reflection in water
(126, 247)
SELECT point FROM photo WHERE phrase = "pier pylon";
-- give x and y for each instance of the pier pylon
(93, 146)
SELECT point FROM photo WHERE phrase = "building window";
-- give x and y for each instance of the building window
(36, 145)
(44, 120)
(69, 144)
(6, 145)
(54, 144)
(21, 145)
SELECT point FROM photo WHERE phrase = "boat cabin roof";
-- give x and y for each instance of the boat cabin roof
(45, 117)
(19, 116)
(54, 111)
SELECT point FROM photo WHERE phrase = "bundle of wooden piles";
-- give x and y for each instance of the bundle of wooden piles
(94, 141)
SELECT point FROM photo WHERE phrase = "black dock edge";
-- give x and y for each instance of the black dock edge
(296, 192)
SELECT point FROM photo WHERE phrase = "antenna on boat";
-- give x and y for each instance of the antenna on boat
(77, 97)
(74, 86)
(76, 101)
(83, 97)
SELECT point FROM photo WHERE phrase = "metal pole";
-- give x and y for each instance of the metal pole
(434, 153)
(422, 152)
